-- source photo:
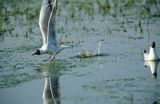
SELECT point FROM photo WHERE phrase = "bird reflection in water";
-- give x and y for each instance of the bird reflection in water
(153, 65)
(51, 91)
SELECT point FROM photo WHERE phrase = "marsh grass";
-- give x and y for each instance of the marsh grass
(75, 10)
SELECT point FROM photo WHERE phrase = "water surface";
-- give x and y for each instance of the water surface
(118, 77)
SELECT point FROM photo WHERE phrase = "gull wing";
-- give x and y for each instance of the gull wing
(51, 26)
(45, 12)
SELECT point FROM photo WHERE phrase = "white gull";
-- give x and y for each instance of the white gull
(47, 26)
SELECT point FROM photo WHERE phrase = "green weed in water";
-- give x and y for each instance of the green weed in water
(85, 54)
(135, 38)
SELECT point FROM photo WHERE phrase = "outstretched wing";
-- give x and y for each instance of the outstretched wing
(51, 26)
(45, 12)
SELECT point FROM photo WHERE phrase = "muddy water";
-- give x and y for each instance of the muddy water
(118, 77)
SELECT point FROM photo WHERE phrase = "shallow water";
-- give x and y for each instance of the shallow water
(118, 77)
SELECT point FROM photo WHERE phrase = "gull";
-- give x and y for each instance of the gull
(47, 26)
(152, 55)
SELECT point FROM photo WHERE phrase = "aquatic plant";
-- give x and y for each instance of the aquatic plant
(88, 54)
(1, 30)
(104, 6)
(85, 54)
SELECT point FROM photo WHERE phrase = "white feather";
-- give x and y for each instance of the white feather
(152, 55)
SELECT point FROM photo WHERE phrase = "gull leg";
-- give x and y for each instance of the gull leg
(47, 58)
(53, 58)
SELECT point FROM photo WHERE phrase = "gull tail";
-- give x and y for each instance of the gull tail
(64, 46)
(61, 47)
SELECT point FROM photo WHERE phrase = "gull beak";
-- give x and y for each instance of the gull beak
(36, 53)
(33, 54)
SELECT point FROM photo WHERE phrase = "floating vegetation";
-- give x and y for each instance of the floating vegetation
(87, 7)
(61, 30)
(135, 38)
(85, 54)
(1, 30)
(104, 6)
(88, 54)
(61, 41)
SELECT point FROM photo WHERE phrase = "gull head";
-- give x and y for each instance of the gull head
(37, 52)
(153, 45)
(155, 75)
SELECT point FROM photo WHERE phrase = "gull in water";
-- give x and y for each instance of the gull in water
(152, 55)
(47, 26)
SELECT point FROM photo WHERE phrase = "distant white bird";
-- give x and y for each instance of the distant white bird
(47, 27)
(152, 55)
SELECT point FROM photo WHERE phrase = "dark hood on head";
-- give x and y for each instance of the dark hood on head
(153, 45)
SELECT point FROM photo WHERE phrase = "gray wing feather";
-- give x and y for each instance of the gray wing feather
(45, 12)
(51, 25)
